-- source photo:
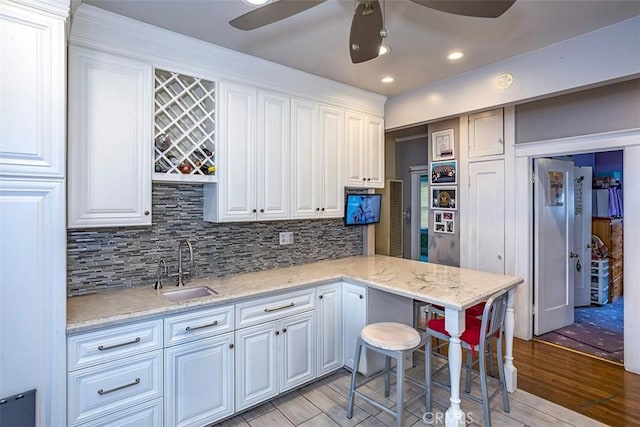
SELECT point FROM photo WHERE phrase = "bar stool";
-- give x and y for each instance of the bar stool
(393, 340)
(477, 339)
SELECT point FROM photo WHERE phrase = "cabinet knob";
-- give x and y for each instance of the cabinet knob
(261, 210)
(254, 211)
(317, 209)
(320, 296)
(147, 213)
(368, 179)
(231, 345)
(361, 296)
(322, 209)
(284, 330)
(364, 179)
(277, 332)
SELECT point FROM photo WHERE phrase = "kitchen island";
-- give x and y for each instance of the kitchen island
(454, 288)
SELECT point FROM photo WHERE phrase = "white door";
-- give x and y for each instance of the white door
(297, 350)
(485, 231)
(330, 155)
(420, 213)
(582, 207)
(256, 364)
(329, 328)
(354, 154)
(304, 162)
(199, 381)
(553, 245)
(486, 133)
(374, 152)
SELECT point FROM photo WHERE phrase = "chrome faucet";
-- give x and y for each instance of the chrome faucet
(181, 273)
(161, 271)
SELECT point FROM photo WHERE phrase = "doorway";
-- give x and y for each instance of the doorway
(595, 324)
(420, 213)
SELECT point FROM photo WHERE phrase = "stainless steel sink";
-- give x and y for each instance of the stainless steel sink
(189, 293)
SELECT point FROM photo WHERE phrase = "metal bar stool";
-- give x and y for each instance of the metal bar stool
(393, 340)
(477, 338)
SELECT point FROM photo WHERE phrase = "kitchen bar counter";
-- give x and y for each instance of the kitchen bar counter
(454, 288)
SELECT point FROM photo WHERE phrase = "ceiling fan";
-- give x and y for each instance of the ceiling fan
(367, 27)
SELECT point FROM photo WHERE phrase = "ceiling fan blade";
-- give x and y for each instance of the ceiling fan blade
(476, 8)
(271, 13)
(365, 38)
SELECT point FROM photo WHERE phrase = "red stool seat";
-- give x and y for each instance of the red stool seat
(476, 310)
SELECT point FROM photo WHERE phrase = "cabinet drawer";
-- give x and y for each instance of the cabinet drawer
(148, 414)
(109, 344)
(107, 388)
(270, 308)
(198, 324)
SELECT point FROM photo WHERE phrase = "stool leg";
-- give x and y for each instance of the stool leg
(503, 384)
(483, 385)
(354, 374)
(399, 388)
(387, 376)
(491, 371)
(427, 374)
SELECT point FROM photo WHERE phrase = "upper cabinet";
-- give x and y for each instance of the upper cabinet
(184, 128)
(109, 152)
(32, 93)
(317, 140)
(252, 156)
(486, 133)
(364, 162)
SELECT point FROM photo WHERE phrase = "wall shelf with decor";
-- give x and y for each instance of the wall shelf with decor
(184, 128)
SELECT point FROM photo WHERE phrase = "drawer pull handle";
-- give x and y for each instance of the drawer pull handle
(102, 392)
(282, 307)
(109, 347)
(208, 325)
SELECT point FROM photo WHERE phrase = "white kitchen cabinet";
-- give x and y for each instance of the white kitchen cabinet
(486, 133)
(252, 157)
(274, 357)
(199, 365)
(32, 204)
(329, 316)
(364, 159)
(354, 318)
(110, 156)
(147, 414)
(317, 139)
(199, 381)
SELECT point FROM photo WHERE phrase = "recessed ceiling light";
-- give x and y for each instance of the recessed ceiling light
(384, 49)
(387, 79)
(455, 55)
(256, 2)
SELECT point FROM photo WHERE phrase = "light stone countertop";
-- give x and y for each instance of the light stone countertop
(452, 287)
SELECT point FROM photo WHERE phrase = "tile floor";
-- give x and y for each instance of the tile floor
(323, 403)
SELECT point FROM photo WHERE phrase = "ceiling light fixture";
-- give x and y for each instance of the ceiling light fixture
(387, 79)
(455, 55)
(384, 49)
(256, 2)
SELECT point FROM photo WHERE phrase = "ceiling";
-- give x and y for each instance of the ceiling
(316, 41)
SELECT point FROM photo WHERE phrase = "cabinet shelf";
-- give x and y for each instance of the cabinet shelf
(184, 128)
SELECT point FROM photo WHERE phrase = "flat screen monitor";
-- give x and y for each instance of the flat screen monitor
(362, 209)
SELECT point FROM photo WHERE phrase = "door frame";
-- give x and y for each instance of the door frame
(629, 142)
(416, 172)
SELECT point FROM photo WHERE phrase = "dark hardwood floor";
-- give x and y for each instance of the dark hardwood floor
(598, 389)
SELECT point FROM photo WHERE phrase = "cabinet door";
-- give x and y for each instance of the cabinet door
(236, 154)
(273, 157)
(199, 381)
(374, 147)
(331, 150)
(486, 133)
(297, 350)
(32, 297)
(304, 164)
(354, 154)
(256, 364)
(329, 315)
(32, 92)
(354, 318)
(110, 116)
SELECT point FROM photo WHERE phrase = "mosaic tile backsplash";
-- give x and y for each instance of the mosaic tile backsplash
(123, 257)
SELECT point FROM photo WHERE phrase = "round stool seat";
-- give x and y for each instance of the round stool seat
(390, 336)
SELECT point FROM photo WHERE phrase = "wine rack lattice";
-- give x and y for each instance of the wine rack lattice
(184, 128)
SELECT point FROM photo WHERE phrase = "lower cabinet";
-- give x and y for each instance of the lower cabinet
(329, 316)
(354, 318)
(148, 414)
(274, 357)
(198, 378)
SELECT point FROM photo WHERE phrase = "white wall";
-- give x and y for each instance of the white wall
(607, 54)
